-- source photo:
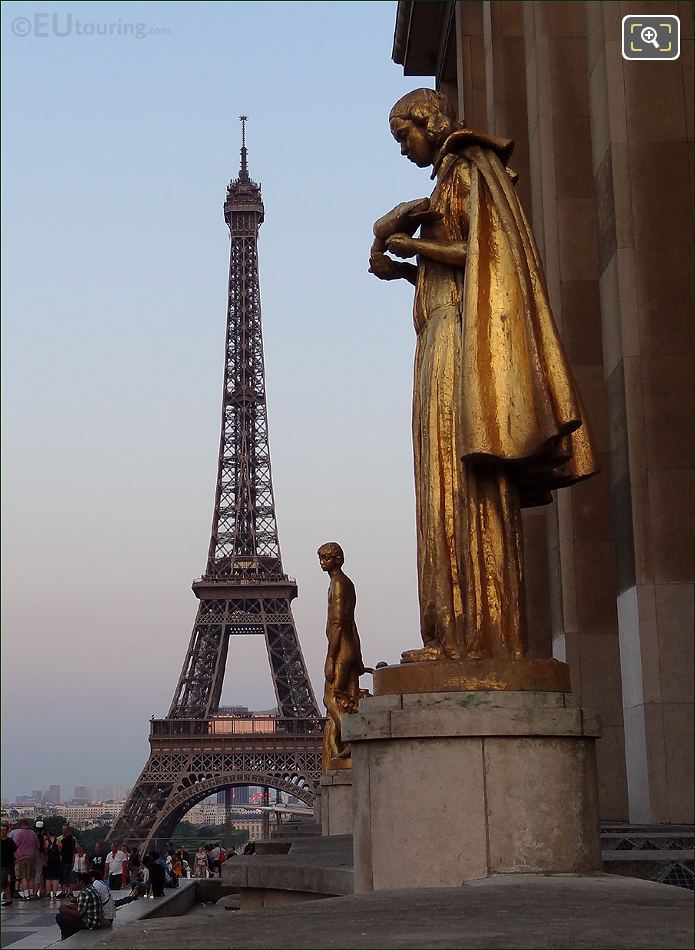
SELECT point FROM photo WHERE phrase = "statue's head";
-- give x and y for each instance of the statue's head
(330, 555)
(421, 121)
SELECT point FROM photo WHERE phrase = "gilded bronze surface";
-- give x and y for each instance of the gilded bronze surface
(497, 673)
(497, 419)
(344, 658)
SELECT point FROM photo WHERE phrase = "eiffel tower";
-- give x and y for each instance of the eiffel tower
(195, 751)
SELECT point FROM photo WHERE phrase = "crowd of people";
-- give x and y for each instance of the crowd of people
(40, 865)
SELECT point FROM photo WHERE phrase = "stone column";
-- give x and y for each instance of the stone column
(642, 160)
(470, 63)
(582, 590)
(507, 116)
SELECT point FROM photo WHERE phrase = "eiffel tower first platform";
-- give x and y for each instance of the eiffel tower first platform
(195, 752)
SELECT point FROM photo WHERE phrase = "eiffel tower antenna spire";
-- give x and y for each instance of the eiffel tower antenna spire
(243, 171)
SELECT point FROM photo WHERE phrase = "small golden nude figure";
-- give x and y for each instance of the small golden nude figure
(344, 664)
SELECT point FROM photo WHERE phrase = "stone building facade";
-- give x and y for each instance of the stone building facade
(604, 151)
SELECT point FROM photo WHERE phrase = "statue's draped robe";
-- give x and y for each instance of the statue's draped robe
(497, 421)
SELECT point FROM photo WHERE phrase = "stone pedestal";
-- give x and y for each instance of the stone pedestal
(451, 787)
(317, 804)
(336, 802)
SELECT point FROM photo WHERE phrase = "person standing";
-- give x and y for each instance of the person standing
(25, 857)
(53, 868)
(98, 859)
(157, 869)
(7, 852)
(68, 846)
(80, 865)
(39, 873)
(200, 867)
(115, 864)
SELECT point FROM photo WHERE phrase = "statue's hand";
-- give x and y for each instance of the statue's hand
(399, 218)
(384, 267)
(401, 245)
(329, 669)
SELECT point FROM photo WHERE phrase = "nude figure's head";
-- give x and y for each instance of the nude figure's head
(420, 122)
(330, 555)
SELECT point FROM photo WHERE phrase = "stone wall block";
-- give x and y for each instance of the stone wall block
(535, 806)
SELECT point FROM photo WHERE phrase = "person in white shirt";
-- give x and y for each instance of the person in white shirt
(108, 908)
(115, 863)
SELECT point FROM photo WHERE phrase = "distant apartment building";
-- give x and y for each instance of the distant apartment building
(88, 812)
(206, 813)
(254, 826)
(209, 812)
(53, 794)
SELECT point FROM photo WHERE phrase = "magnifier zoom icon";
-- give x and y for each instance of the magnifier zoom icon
(648, 35)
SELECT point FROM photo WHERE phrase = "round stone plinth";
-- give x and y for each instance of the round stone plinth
(453, 787)
(447, 676)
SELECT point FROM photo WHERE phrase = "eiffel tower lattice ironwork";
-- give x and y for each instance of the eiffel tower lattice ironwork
(244, 590)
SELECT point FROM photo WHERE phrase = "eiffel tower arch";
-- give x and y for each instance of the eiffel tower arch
(192, 759)
(195, 751)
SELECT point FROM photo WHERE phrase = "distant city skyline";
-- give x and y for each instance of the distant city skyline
(54, 795)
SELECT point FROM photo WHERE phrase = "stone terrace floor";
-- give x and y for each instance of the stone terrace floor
(25, 918)
(511, 911)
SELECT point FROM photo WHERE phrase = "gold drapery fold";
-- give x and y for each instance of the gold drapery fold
(519, 400)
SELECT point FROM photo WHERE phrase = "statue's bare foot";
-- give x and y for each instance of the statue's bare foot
(432, 651)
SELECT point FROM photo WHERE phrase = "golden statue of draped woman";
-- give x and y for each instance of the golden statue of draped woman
(497, 419)
(344, 658)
